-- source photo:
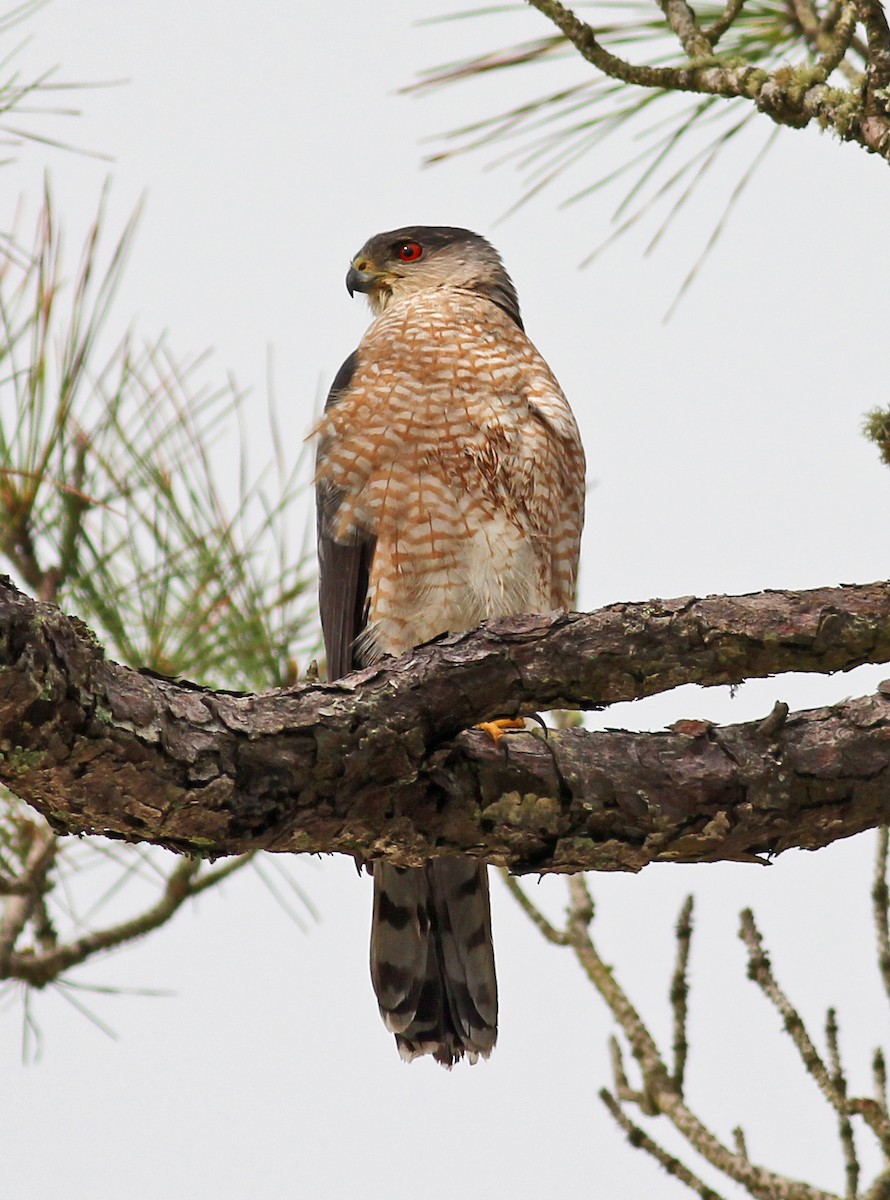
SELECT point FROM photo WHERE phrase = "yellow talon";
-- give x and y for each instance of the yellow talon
(497, 729)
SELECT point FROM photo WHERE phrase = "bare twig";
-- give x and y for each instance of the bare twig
(830, 15)
(18, 908)
(679, 995)
(760, 971)
(716, 31)
(684, 23)
(550, 932)
(641, 1140)
(738, 1140)
(622, 1084)
(877, 71)
(38, 970)
(880, 897)
(845, 1128)
(879, 1077)
(835, 45)
(806, 16)
(660, 1093)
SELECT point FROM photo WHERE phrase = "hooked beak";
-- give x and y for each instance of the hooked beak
(361, 281)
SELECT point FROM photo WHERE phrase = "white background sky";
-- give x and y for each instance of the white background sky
(726, 451)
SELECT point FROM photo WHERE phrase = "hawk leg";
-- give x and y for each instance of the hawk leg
(497, 729)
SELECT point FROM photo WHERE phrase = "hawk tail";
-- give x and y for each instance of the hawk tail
(432, 958)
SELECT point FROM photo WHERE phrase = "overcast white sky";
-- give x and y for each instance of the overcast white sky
(726, 451)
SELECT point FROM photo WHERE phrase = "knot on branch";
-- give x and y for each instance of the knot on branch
(875, 133)
(783, 102)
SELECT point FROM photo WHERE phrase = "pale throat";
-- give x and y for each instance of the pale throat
(395, 289)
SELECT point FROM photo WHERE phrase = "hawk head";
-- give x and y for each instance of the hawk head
(417, 258)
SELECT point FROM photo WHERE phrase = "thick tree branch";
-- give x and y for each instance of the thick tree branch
(376, 764)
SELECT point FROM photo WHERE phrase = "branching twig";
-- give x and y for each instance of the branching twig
(183, 882)
(641, 1140)
(18, 908)
(790, 96)
(660, 1093)
(584, 39)
(40, 970)
(760, 971)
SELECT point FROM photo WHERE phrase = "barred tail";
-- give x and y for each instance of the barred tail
(432, 958)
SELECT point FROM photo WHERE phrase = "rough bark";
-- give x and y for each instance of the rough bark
(376, 764)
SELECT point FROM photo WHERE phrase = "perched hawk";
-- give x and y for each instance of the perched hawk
(450, 488)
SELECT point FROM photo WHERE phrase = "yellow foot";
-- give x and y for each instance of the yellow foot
(497, 729)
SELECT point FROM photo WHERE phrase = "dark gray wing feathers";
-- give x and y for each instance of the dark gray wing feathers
(342, 567)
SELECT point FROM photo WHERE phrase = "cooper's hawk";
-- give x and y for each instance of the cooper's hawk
(450, 488)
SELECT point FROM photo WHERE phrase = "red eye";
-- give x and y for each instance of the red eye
(410, 251)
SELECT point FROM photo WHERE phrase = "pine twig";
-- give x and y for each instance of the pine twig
(38, 970)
